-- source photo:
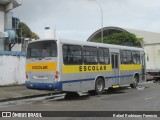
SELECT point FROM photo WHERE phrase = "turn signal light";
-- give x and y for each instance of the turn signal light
(57, 75)
(57, 72)
(26, 75)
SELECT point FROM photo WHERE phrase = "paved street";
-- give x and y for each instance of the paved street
(145, 98)
(8, 93)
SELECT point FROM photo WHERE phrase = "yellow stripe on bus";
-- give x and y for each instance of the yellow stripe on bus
(41, 66)
(85, 68)
(130, 67)
(97, 68)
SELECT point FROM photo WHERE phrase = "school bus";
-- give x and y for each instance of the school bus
(76, 66)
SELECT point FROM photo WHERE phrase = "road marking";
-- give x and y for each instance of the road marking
(149, 98)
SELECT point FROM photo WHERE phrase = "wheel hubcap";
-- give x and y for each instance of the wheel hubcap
(135, 81)
(99, 86)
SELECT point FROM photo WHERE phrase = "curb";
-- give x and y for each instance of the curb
(12, 85)
(28, 97)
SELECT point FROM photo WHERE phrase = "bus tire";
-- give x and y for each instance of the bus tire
(99, 86)
(135, 82)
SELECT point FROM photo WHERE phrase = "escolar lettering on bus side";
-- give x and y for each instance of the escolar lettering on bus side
(91, 68)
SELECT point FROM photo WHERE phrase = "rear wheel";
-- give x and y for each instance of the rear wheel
(99, 87)
(135, 82)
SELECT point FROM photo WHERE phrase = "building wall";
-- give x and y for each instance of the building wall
(17, 47)
(12, 70)
(8, 20)
(149, 37)
(1, 44)
(1, 18)
(1, 27)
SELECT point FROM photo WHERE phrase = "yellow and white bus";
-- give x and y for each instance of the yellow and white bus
(73, 66)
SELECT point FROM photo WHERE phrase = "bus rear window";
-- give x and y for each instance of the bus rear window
(42, 49)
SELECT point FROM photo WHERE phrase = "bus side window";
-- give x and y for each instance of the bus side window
(93, 55)
(72, 54)
(136, 57)
(86, 54)
(126, 57)
(103, 56)
(106, 56)
(90, 55)
(76, 52)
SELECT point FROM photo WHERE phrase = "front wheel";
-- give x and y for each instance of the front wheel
(135, 82)
(99, 87)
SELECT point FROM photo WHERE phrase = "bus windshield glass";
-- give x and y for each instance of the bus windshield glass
(42, 49)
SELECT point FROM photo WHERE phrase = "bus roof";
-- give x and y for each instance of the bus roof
(87, 43)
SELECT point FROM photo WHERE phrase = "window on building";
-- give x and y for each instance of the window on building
(72, 54)
(90, 55)
(103, 56)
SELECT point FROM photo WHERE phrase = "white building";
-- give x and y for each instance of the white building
(151, 44)
(6, 18)
(151, 47)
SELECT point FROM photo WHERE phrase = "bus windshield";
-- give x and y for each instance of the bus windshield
(42, 49)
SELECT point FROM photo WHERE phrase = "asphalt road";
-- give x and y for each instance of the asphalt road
(144, 98)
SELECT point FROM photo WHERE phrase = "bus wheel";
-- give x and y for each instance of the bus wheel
(135, 82)
(99, 86)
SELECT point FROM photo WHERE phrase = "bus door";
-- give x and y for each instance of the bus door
(115, 68)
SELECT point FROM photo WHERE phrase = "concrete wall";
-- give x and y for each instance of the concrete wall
(1, 18)
(17, 47)
(1, 44)
(12, 70)
(8, 20)
(1, 27)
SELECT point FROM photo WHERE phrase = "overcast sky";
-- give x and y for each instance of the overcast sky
(78, 19)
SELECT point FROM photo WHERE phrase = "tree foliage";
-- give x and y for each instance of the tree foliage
(25, 32)
(123, 38)
(34, 36)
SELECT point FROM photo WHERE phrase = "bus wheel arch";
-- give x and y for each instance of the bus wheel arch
(135, 81)
(99, 76)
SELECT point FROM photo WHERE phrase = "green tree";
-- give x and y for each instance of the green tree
(24, 31)
(122, 38)
(34, 36)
